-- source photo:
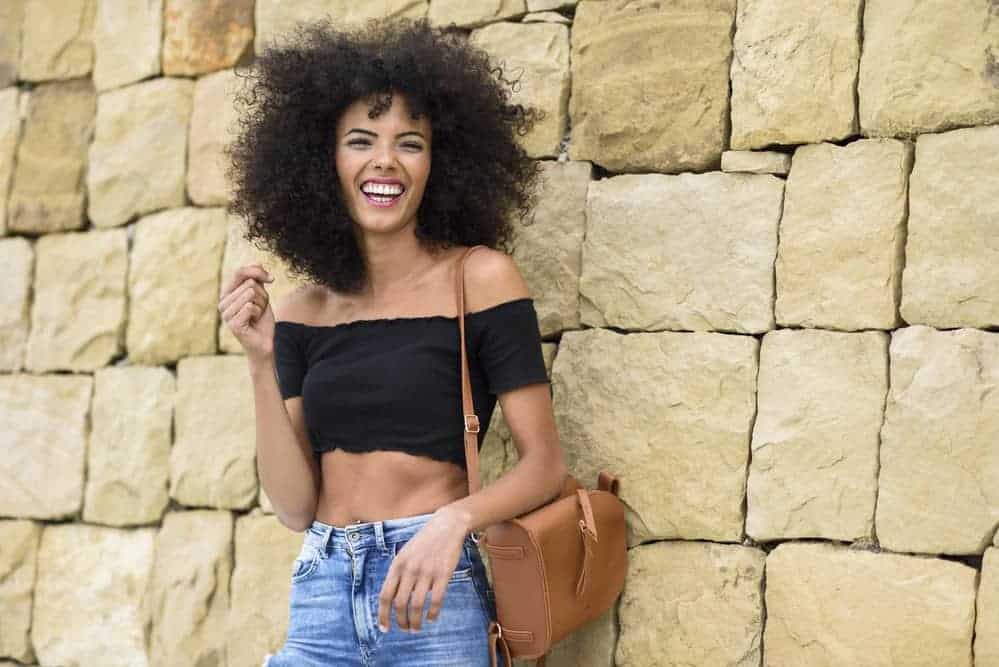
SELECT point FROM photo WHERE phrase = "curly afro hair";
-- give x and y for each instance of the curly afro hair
(281, 163)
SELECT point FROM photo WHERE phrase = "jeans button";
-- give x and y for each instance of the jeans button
(352, 537)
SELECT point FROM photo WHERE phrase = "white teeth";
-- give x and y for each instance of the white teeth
(381, 189)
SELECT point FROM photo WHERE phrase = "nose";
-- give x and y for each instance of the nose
(383, 157)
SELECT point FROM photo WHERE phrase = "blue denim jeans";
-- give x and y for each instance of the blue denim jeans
(333, 614)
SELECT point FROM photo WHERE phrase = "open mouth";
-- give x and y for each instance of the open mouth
(382, 195)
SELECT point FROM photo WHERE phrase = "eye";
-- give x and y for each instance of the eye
(413, 145)
(357, 142)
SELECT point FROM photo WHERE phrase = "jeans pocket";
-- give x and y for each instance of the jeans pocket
(305, 563)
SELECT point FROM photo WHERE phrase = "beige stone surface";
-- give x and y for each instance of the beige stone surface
(950, 274)
(17, 256)
(44, 441)
(201, 37)
(987, 612)
(545, 5)
(683, 394)
(474, 14)
(261, 583)
(57, 39)
(829, 605)
(815, 439)
(794, 68)
(78, 307)
(127, 39)
(548, 247)
(92, 595)
(213, 459)
(842, 236)
(47, 191)
(274, 19)
(537, 55)
(591, 645)
(18, 563)
(692, 603)
(939, 481)
(546, 17)
(138, 158)
(128, 454)
(212, 119)
(928, 65)
(11, 16)
(756, 162)
(662, 103)
(174, 284)
(190, 589)
(691, 251)
(10, 133)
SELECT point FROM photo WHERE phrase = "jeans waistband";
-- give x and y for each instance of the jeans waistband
(369, 534)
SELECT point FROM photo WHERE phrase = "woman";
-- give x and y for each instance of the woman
(370, 161)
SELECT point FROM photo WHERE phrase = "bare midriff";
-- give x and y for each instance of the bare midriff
(380, 485)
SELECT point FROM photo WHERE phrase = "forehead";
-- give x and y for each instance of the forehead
(397, 115)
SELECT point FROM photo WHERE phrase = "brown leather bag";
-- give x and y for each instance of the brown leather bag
(555, 568)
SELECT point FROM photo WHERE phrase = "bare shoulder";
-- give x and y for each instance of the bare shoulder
(492, 277)
(302, 304)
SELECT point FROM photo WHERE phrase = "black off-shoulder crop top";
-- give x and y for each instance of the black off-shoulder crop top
(395, 383)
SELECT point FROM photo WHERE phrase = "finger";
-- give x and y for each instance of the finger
(248, 284)
(237, 304)
(389, 587)
(242, 273)
(416, 603)
(248, 311)
(437, 599)
(401, 599)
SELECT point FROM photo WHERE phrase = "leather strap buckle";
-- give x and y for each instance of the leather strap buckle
(474, 428)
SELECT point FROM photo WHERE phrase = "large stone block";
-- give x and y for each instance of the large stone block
(650, 84)
(756, 162)
(91, 597)
(545, 5)
(692, 252)
(57, 39)
(842, 236)
(138, 157)
(201, 37)
(43, 444)
(538, 55)
(793, 72)
(691, 603)
(928, 65)
(18, 259)
(474, 14)
(129, 451)
(47, 191)
(939, 482)
(952, 262)
(11, 16)
(212, 118)
(10, 133)
(815, 439)
(78, 312)
(987, 612)
(647, 407)
(127, 42)
(213, 459)
(831, 605)
(18, 564)
(174, 284)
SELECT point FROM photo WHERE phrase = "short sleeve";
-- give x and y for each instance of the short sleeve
(289, 358)
(509, 345)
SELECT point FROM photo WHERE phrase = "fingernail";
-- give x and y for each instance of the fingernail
(382, 628)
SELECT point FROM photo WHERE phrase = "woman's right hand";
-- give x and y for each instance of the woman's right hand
(246, 308)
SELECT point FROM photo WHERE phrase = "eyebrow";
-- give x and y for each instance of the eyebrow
(375, 134)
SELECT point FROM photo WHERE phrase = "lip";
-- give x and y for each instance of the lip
(388, 181)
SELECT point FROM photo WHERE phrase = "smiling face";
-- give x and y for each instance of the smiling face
(382, 164)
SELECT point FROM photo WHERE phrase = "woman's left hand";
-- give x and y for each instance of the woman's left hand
(425, 563)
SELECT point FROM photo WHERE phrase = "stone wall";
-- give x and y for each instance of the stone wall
(766, 263)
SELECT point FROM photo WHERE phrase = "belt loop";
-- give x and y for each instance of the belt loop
(380, 536)
(326, 540)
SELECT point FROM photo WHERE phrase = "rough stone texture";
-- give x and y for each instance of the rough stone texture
(829, 605)
(18, 559)
(537, 55)
(78, 308)
(684, 394)
(127, 42)
(815, 439)
(11, 16)
(129, 450)
(10, 132)
(950, 275)
(57, 39)
(662, 103)
(842, 236)
(546, 17)
(212, 462)
(794, 68)
(18, 258)
(987, 615)
(707, 610)
(545, 5)
(275, 18)
(200, 37)
(47, 190)
(138, 158)
(91, 595)
(261, 583)
(474, 14)
(212, 119)
(756, 162)
(44, 440)
(174, 284)
(651, 238)
(928, 65)
(939, 482)
(549, 248)
(190, 589)
(592, 645)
